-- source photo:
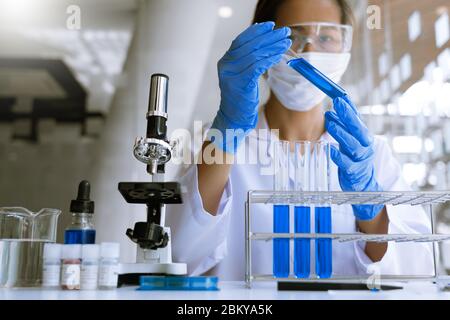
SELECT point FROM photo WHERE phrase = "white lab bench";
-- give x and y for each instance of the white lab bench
(231, 291)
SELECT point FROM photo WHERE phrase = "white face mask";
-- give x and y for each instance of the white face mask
(293, 90)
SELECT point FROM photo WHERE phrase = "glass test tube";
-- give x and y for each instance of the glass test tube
(324, 263)
(281, 211)
(302, 211)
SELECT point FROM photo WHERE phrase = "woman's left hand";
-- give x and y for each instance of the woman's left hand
(355, 155)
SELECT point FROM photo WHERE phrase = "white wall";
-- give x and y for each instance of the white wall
(208, 96)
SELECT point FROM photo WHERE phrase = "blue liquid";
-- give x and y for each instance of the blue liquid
(317, 78)
(324, 263)
(302, 247)
(79, 236)
(281, 246)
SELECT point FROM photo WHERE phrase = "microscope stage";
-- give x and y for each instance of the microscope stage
(151, 192)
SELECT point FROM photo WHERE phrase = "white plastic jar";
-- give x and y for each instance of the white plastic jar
(51, 269)
(90, 256)
(71, 267)
(109, 266)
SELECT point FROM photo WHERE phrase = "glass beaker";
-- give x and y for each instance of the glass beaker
(324, 263)
(23, 234)
(302, 210)
(281, 210)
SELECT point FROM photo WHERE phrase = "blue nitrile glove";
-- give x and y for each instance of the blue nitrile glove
(254, 51)
(355, 155)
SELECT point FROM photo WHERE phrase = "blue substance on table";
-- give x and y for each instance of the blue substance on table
(281, 246)
(302, 246)
(324, 263)
(79, 236)
(199, 283)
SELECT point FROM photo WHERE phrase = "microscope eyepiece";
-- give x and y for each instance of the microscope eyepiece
(157, 102)
(155, 150)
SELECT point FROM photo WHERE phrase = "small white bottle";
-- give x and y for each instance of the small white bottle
(71, 267)
(109, 266)
(90, 255)
(51, 269)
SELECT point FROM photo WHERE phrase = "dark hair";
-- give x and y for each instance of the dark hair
(266, 10)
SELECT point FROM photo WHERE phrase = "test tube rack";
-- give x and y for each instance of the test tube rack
(413, 198)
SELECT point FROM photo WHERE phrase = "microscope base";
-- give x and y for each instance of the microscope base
(129, 273)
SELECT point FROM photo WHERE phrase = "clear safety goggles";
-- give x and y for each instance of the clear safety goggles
(322, 36)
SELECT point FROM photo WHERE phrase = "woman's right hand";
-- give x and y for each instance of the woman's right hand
(251, 54)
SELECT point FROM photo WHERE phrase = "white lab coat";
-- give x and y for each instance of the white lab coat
(216, 243)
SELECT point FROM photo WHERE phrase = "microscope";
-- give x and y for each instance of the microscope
(154, 256)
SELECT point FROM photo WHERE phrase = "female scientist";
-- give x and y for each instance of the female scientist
(208, 229)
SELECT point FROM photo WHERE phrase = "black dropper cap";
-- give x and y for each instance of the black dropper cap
(83, 203)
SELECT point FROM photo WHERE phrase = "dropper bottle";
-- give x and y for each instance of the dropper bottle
(81, 230)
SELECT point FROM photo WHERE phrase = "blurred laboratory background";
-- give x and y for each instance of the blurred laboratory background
(72, 100)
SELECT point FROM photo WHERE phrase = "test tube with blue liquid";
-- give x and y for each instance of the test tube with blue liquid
(281, 210)
(302, 211)
(324, 263)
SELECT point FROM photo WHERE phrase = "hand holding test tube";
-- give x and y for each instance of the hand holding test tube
(355, 155)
